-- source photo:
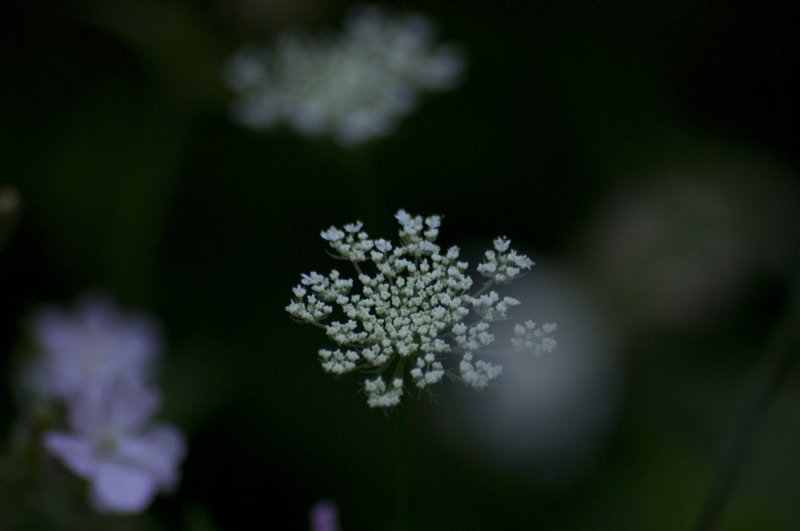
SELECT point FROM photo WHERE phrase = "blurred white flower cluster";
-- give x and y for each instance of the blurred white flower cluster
(100, 364)
(412, 309)
(353, 87)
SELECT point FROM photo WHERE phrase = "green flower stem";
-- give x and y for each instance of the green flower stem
(23, 470)
(783, 349)
(402, 520)
(10, 204)
(364, 184)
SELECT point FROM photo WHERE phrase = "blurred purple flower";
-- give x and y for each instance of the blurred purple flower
(324, 516)
(89, 346)
(112, 444)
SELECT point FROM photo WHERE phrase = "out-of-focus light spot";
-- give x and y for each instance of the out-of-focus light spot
(547, 416)
(678, 248)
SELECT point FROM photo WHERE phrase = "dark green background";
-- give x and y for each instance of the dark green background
(114, 129)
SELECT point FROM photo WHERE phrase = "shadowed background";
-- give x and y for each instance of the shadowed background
(644, 156)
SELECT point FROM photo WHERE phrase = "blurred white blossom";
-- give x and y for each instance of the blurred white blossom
(412, 309)
(354, 86)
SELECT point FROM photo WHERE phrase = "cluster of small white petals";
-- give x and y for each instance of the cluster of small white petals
(354, 86)
(536, 339)
(502, 265)
(338, 361)
(381, 395)
(318, 292)
(351, 243)
(409, 309)
(491, 307)
(479, 373)
(427, 370)
(474, 337)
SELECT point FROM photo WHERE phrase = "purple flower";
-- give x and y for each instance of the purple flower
(112, 444)
(324, 516)
(89, 346)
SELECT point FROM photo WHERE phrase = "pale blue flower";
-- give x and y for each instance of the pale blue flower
(113, 444)
(90, 345)
(324, 516)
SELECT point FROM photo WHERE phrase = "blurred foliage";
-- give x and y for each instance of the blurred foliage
(134, 181)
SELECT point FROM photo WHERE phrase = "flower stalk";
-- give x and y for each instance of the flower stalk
(783, 348)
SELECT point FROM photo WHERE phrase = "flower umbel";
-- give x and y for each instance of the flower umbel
(354, 86)
(410, 310)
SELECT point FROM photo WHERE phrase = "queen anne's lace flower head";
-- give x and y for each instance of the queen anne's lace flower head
(354, 86)
(411, 310)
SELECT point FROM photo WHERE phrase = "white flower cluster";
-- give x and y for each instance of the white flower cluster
(412, 309)
(353, 87)
(503, 265)
(534, 338)
(99, 363)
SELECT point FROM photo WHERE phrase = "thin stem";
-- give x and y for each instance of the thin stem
(357, 268)
(364, 184)
(24, 467)
(488, 284)
(401, 521)
(781, 349)
(495, 352)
